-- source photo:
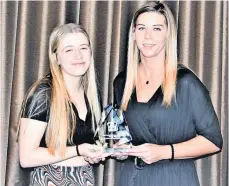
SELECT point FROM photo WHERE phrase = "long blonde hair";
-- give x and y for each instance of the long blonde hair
(169, 81)
(62, 124)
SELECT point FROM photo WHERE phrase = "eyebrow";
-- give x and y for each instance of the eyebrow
(84, 45)
(68, 46)
(153, 25)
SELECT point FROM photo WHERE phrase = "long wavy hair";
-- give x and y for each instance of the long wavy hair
(169, 81)
(62, 123)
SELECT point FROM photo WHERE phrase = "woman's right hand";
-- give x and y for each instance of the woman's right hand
(90, 150)
(92, 153)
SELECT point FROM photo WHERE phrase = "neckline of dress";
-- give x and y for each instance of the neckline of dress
(151, 97)
(87, 106)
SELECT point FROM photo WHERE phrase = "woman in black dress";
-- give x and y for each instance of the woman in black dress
(60, 112)
(167, 109)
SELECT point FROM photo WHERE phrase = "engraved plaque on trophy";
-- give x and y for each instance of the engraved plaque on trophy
(112, 129)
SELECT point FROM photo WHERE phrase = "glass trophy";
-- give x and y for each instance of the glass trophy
(112, 129)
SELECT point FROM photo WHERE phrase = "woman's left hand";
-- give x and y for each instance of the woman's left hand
(149, 153)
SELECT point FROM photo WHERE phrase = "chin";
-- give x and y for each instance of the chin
(76, 73)
(149, 55)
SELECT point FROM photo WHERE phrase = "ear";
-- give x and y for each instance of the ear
(57, 61)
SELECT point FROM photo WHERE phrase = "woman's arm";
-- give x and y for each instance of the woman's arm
(31, 155)
(192, 148)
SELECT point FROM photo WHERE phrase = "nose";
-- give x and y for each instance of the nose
(148, 33)
(78, 54)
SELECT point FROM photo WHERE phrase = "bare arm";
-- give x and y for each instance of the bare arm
(31, 155)
(192, 148)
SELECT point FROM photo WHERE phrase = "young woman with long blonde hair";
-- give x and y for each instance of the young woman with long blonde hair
(60, 113)
(167, 109)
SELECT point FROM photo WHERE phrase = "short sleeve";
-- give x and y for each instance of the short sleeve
(203, 113)
(37, 105)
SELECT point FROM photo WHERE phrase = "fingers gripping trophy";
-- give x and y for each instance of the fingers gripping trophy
(112, 129)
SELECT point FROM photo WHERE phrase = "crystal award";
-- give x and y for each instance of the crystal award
(112, 129)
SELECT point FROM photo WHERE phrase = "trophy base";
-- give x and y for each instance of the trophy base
(113, 150)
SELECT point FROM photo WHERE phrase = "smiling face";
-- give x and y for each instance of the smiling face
(74, 54)
(150, 34)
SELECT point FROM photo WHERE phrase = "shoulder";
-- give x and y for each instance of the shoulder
(43, 88)
(120, 79)
(187, 78)
(39, 95)
(185, 74)
(119, 84)
(37, 102)
(45, 83)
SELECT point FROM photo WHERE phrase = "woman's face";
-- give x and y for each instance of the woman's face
(74, 54)
(150, 34)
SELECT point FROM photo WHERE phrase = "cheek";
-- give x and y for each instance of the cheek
(64, 58)
(138, 41)
(161, 36)
(87, 55)
(161, 39)
(139, 36)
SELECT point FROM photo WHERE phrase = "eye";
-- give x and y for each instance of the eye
(157, 29)
(141, 28)
(68, 50)
(84, 48)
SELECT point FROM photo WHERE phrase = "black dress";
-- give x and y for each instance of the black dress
(191, 114)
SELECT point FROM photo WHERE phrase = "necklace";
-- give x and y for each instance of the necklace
(147, 77)
(146, 81)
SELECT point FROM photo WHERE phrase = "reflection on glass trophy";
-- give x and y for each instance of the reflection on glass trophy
(112, 129)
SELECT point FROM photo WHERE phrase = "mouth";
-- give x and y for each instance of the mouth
(148, 45)
(78, 63)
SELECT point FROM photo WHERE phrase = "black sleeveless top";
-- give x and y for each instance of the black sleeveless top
(38, 107)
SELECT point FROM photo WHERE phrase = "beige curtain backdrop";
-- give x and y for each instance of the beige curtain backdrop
(25, 29)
